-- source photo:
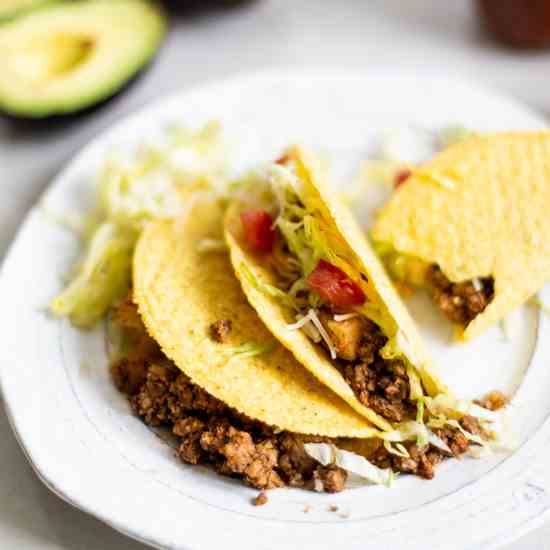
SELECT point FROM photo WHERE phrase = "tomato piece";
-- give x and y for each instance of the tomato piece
(283, 159)
(401, 177)
(258, 230)
(334, 286)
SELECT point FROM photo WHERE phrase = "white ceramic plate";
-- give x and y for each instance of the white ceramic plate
(83, 442)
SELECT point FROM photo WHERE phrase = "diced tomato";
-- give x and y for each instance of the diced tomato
(334, 286)
(401, 177)
(258, 230)
(283, 159)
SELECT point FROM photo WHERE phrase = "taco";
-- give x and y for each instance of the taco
(307, 269)
(199, 360)
(193, 307)
(472, 227)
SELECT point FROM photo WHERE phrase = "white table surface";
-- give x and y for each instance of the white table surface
(424, 34)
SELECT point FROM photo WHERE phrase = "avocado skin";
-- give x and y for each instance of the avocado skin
(65, 114)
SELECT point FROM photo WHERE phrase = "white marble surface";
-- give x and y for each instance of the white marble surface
(413, 34)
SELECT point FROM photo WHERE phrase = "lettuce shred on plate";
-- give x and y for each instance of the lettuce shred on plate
(153, 182)
(538, 302)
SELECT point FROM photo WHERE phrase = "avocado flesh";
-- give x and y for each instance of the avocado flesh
(14, 8)
(68, 56)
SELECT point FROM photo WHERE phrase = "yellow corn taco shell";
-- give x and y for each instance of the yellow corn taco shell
(380, 291)
(494, 221)
(180, 292)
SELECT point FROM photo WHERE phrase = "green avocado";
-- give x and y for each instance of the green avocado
(67, 56)
(10, 9)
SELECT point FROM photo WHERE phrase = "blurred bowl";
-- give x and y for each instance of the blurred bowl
(517, 23)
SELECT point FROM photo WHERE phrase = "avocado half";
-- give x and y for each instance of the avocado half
(67, 56)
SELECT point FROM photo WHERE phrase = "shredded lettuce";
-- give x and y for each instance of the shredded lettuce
(266, 288)
(397, 449)
(539, 303)
(420, 411)
(211, 245)
(155, 182)
(102, 278)
(309, 237)
(251, 349)
(454, 134)
(412, 430)
(327, 454)
(446, 405)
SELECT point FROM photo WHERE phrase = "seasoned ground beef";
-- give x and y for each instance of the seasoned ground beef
(211, 433)
(423, 460)
(220, 330)
(261, 499)
(493, 401)
(460, 302)
(332, 479)
(379, 384)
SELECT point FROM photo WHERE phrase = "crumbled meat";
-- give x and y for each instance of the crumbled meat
(220, 330)
(395, 411)
(383, 386)
(261, 499)
(238, 449)
(190, 430)
(423, 460)
(379, 384)
(296, 465)
(129, 375)
(151, 401)
(493, 401)
(211, 433)
(345, 335)
(471, 424)
(125, 313)
(168, 395)
(455, 440)
(460, 302)
(332, 477)
(261, 471)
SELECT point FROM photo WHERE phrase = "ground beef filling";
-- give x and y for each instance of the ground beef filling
(208, 431)
(379, 384)
(212, 434)
(423, 460)
(460, 302)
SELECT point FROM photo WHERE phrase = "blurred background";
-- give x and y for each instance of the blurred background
(500, 43)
